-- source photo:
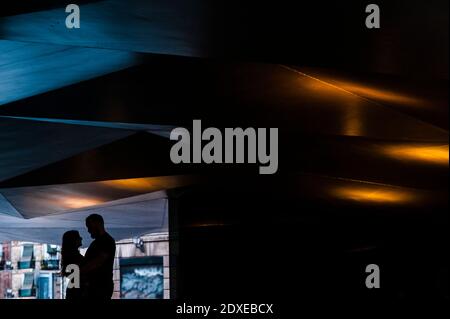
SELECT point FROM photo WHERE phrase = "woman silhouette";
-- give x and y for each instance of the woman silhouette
(70, 255)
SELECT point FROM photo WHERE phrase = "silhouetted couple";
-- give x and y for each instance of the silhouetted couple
(96, 267)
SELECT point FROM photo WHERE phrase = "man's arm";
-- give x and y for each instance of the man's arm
(95, 263)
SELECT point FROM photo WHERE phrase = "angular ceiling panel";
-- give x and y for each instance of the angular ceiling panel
(7, 209)
(156, 26)
(147, 214)
(140, 154)
(28, 69)
(26, 146)
(36, 201)
(162, 130)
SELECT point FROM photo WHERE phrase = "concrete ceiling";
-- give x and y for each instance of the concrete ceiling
(123, 219)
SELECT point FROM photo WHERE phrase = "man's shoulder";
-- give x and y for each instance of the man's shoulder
(108, 240)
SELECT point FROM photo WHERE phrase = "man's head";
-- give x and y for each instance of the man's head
(95, 225)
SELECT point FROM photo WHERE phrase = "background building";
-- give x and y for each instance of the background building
(32, 271)
(141, 268)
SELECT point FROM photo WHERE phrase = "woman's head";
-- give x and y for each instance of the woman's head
(71, 241)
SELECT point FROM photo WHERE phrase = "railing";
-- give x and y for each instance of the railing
(52, 250)
(31, 292)
(50, 264)
(6, 265)
(26, 264)
(9, 293)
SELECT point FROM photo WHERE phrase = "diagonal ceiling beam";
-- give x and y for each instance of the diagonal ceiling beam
(28, 69)
(36, 201)
(162, 130)
(26, 146)
(156, 26)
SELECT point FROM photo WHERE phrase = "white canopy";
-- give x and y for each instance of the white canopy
(127, 218)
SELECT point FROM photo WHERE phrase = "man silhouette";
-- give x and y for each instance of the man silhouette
(99, 260)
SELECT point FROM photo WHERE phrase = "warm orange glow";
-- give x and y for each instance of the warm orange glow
(379, 94)
(434, 154)
(79, 202)
(354, 121)
(374, 194)
(324, 82)
(134, 184)
(146, 184)
(353, 125)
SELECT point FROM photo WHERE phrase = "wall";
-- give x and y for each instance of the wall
(154, 245)
(14, 278)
